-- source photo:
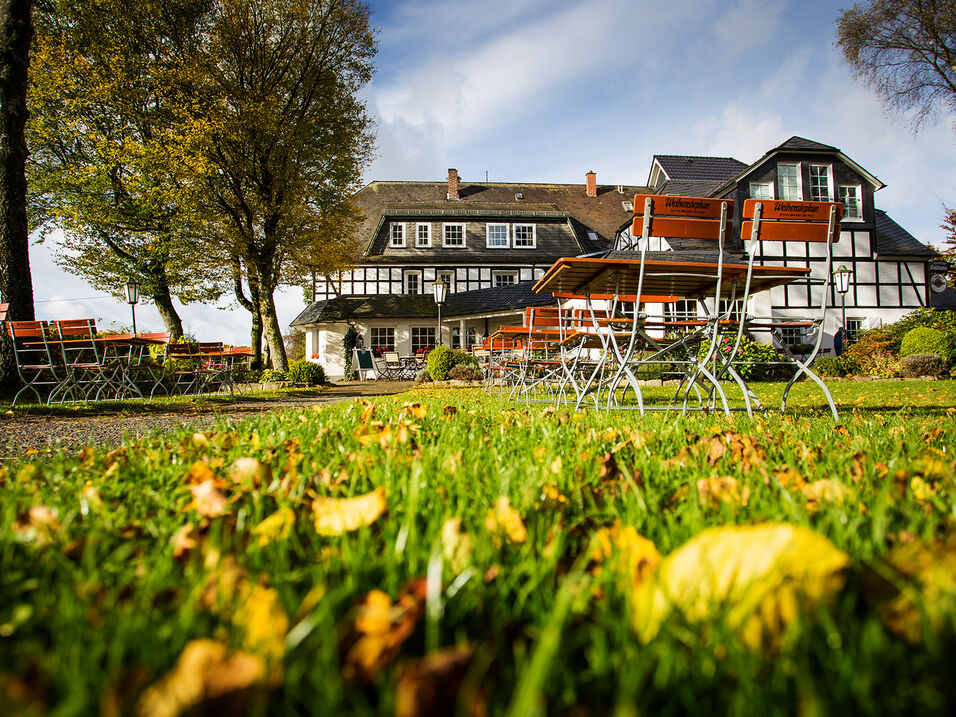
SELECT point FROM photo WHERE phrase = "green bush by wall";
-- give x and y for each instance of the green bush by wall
(440, 361)
(924, 340)
(307, 372)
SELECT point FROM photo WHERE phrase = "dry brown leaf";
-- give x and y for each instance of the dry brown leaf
(208, 501)
(504, 523)
(250, 473)
(368, 410)
(37, 525)
(415, 410)
(431, 686)
(449, 411)
(184, 541)
(206, 671)
(827, 490)
(379, 630)
(335, 516)
(725, 489)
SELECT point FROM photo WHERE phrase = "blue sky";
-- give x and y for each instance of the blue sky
(545, 90)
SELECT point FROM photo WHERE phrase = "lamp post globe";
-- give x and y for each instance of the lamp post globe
(440, 289)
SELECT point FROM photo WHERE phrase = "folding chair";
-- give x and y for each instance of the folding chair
(789, 221)
(85, 362)
(392, 366)
(34, 355)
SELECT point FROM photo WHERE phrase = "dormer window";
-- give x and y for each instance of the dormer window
(423, 235)
(821, 186)
(852, 202)
(761, 190)
(789, 182)
(524, 236)
(496, 236)
(397, 234)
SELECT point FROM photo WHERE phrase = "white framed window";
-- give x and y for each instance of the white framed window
(761, 190)
(790, 182)
(382, 337)
(852, 200)
(683, 310)
(496, 236)
(423, 234)
(449, 278)
(821, 186)
(853, 329)
(525, 236)
(397, 233)
(792, 335)
(503, 278)
(453, 234)
(413, 282)
(423, 338)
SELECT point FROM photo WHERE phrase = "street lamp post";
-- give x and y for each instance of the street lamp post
(441, 289)
(842, 279)
(132, 298)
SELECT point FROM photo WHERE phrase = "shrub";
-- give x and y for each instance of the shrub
(925, 340)
(751, 359)
(423, 377)
(916, 365)
(460, 357)
(307, 372)
(466, 372)
(874, 353)
(440, 360)
(828, 366)
(271, 374)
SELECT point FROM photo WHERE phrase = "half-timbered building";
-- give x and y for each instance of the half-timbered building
(490, 241)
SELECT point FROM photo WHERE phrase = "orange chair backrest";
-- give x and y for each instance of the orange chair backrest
(25, 329)
(784, 220)
(681, 217)
(3, 311)
(76, 327)
(156, 336)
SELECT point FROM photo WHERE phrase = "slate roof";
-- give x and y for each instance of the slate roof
(695, 168)
(689, 188)
(894, 240)
(802, 144)
(422, 306)
(603, 213)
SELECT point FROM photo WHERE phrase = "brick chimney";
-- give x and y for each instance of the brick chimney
(591, 183)
(453, 184)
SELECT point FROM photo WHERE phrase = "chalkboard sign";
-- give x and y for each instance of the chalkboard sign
(363, 361)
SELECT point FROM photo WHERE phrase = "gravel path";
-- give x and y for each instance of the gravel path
(108, 425)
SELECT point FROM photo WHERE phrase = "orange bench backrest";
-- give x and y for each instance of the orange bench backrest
(681, 217)
(784, 220)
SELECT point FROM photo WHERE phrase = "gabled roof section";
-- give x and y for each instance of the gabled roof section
(892, 240)
(692, 168)
(804, 146)
(603, 214)
(422, 306)
(688, 188)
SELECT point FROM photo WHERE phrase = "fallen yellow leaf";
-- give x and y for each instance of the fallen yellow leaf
(264, 622)
(626, 551)
(208, 501)
(335, 516)
(415, 410)
(756, 577)
(503, 521)
(250, 473)
(275, 527)
(725, 489)
(205, 671)
(456, 545)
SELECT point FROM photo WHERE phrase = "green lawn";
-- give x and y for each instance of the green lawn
(502, 555)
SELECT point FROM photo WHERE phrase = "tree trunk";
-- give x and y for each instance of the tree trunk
(272, 331)
(16, 285)
(168, 313)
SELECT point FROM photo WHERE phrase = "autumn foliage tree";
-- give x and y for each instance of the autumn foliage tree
(289, 139)
(110, 136)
